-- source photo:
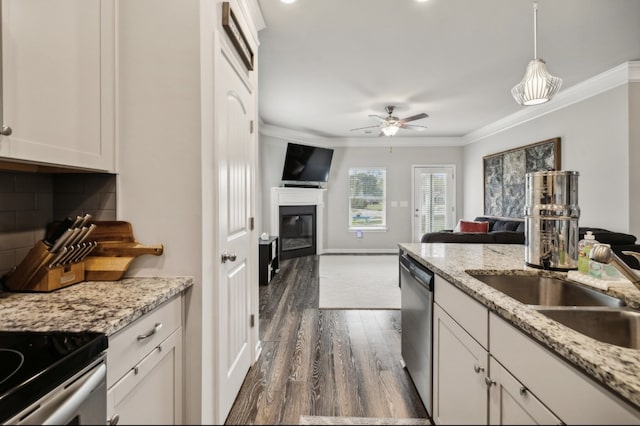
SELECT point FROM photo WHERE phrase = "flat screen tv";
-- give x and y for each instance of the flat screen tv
(304, 163)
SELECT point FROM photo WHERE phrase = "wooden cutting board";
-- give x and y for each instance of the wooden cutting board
(115, 251)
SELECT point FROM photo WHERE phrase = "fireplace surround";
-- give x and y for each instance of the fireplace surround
(303, 211)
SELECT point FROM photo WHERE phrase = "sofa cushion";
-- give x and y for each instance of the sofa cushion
(457, 237)
(605, 236)
(507, 225)
(499, 223)
(473, 226)
(508, 237)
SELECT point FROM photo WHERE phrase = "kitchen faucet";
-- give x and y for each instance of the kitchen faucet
(602, 253)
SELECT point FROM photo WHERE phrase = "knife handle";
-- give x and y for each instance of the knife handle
(61, 241)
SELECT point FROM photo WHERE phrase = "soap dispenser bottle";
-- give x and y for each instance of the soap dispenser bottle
(584, 247)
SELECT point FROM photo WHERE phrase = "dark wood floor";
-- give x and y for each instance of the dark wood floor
(322, 362)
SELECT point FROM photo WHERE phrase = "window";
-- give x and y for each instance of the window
(367, 198)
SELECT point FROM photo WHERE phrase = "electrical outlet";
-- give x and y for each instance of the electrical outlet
(359, 234)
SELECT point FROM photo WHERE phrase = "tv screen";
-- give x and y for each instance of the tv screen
(307, 163)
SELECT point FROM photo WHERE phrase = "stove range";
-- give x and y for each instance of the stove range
(32, 364)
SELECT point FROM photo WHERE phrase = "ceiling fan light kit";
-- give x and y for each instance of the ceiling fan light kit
(537, 85)
(390, 130)
(390, 125)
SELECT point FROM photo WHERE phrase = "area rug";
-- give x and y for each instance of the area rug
(359, 282)
(328, 420)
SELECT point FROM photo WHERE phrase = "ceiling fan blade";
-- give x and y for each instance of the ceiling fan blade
(377, 117)
(362, 128)
(414, 117)
(413, 127)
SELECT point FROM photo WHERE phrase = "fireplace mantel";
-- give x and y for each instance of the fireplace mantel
(281, 196)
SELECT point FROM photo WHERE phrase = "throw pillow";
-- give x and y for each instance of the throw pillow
(472, 226)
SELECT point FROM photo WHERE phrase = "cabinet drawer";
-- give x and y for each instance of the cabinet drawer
(151, 392)
(129, 345)
(570, 394)
(511, 403)
(471, 315)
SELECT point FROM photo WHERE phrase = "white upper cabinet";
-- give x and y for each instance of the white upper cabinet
(58, 82)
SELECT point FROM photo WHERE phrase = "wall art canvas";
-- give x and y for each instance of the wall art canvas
(504, 175)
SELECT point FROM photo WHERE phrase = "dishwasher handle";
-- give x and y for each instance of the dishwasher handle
(420, 273)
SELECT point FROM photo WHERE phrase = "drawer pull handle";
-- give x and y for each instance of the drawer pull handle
(157, 327)
(477, 368)
(489, 382)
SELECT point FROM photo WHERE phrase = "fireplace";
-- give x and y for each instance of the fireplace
(297, 218)
(297, 231)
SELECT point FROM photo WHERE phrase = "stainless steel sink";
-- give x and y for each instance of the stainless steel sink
(620, 327)
(540, 290)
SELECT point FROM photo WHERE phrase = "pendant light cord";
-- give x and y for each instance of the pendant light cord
(535, 30)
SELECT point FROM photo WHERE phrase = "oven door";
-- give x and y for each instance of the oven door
(82, 399)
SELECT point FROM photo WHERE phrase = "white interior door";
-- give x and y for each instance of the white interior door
(433, 199)
(235, 111)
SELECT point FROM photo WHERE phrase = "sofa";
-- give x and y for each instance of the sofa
(508, 230)
(501, 230)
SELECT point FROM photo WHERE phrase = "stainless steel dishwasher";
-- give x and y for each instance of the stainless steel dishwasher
(416, 284)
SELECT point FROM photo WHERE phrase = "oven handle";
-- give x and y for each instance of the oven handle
(71, 405)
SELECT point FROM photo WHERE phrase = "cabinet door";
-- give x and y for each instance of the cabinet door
(58, 82)
(151, 392)
(459, 370)
(511, 403)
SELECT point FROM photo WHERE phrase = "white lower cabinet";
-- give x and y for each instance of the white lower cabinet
(486, 371)
(459, 366)
(511, 403)
(144, 369)
(570, 394)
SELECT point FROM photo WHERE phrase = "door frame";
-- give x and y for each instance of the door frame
(454, 194)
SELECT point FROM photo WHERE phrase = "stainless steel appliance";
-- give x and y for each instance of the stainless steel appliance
(551, 220)
(416, 293)
(53, 378)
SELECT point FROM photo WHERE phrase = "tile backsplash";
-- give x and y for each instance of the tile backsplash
(30, 201)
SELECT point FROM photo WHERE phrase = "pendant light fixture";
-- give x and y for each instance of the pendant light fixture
(537, 85)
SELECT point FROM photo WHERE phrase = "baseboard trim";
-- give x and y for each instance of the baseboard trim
(360, 251)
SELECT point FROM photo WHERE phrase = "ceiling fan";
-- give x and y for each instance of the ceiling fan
(390, 125)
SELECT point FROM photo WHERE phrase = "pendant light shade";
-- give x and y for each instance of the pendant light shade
(537, 85)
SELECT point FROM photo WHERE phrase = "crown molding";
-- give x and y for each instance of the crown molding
(610, 79)
(289, 135)
(634, 72)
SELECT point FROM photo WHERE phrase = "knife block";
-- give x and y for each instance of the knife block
(34, 275)
(115, 251)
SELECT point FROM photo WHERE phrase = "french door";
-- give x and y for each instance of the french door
(434, 195)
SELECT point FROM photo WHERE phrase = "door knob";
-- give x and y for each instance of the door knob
(226, 256)
(489, 382)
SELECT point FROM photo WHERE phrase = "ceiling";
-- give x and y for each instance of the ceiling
(325, 65)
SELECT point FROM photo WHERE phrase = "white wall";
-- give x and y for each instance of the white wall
(594, 141)
(396, 159)
(634, 158)
(159, 162)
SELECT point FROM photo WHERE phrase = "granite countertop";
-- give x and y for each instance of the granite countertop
(615, 367)
(99, 306)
